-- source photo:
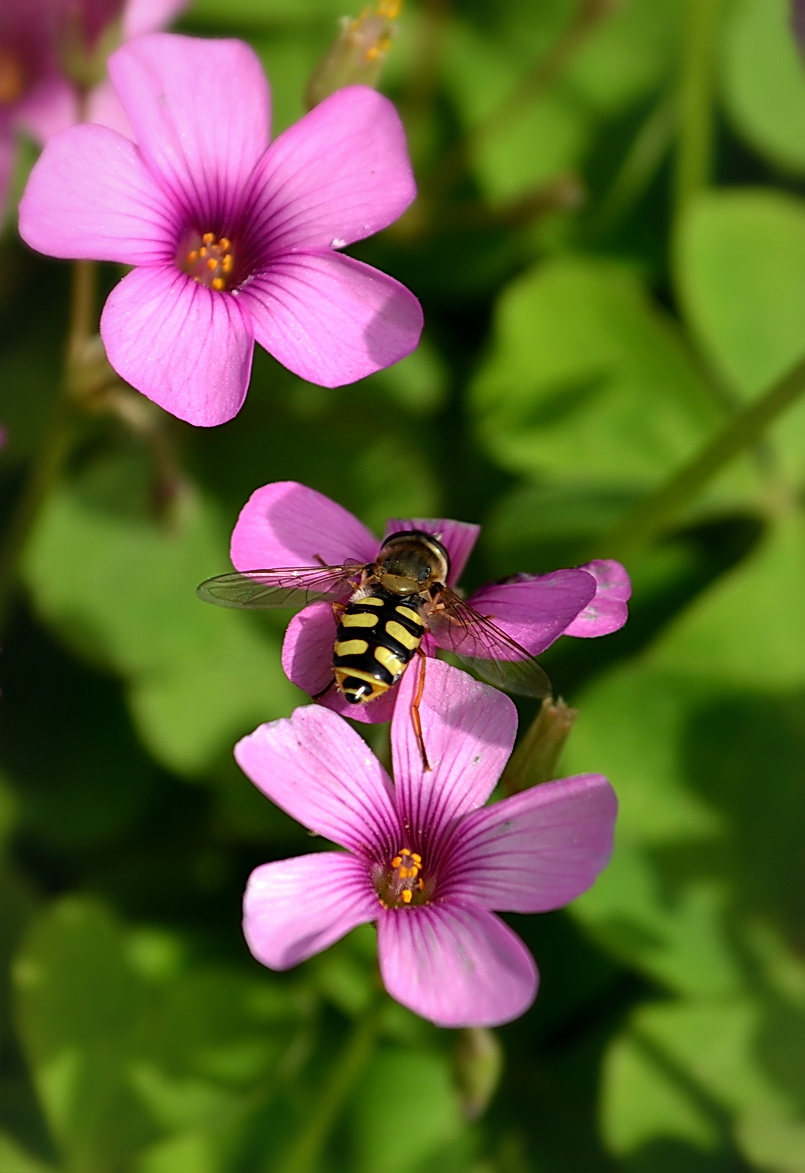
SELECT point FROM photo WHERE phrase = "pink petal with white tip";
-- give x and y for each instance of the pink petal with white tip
(296, 907)
(533, 611)
(608, 610)
(456, 966)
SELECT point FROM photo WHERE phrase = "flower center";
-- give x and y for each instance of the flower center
(208, 259)
(402, 884)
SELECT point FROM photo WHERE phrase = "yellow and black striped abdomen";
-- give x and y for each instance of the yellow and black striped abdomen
(376, 638)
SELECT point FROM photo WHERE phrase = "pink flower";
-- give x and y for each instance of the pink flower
(286, 524)
(43, 44)
(423, 859)
(232, 241)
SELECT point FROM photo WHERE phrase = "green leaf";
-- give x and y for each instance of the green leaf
(262, 13)
(744, 629)
(15, 1159)
(741, 274)
(400, 1123)
(119, 587)
(703, 739)
(129, 1046)
(79, 1003)
(763, 80)
(586, 374)
(550, 129)
(706, 1075)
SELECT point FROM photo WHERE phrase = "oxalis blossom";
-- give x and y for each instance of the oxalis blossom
(233, 241)
(424, 859)
(286, 524)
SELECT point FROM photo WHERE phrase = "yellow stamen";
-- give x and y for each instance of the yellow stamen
(208, 259)
(402, 885)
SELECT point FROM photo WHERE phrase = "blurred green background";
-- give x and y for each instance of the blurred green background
(609, 246)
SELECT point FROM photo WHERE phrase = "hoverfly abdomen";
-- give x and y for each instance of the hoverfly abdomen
(377, 637)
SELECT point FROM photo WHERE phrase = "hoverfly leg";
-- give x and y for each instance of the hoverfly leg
(415, 717)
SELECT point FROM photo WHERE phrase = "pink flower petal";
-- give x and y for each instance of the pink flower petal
(536, 850)
(199, 110)
(105, 108)
(49, 107)
(330, 319)
(307, 660)
(608, 611)
(297, 907)
(533, 611)
(181, 344)
(307, 650)
(339, 174)
(456, 966)
(146, 16)
(320, 771)
(468, 729)
(457, 537)
(89, 196)
(288, 524)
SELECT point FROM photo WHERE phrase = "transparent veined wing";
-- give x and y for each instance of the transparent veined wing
(486, 649)
(289, 586)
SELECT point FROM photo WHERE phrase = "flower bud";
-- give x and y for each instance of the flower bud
(358, 53)
(478, 1065)
(536, 758)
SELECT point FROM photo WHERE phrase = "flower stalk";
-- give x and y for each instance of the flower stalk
(58, 437)
(305, 1152)
(651, 514)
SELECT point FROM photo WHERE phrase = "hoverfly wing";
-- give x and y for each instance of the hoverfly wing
(292, 586)
(483, 647)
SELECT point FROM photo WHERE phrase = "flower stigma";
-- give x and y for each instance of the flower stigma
(403, 884)
(208, 259)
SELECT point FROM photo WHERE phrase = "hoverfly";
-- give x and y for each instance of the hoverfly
(391, 605)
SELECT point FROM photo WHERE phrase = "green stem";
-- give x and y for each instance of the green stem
(586, 19)
(303, 1155)
(57, 440)
(695, 148)
(639, 167)
(651, 514)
